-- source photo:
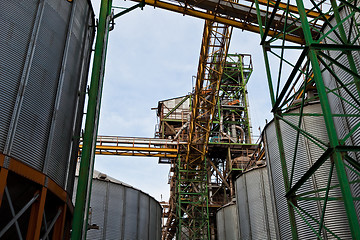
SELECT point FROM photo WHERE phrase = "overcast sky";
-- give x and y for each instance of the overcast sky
(152, 56)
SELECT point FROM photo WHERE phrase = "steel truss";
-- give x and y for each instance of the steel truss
(225, 157)
(327, 53)
(230, 13)
(192, 196)
(135, 146)
(230, 137)
(232, 121)
(32, 206)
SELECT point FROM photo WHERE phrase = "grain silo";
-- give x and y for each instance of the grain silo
(119, 211)
(344, 96)
(45, 48)
(308, 151)
(255, 207)
(227, 222)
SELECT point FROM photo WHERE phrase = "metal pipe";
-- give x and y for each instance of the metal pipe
(51, 225)
(91, 121)
(181, 129)
(242, 135)
(13, 213)
(233, 128)
(222, 129)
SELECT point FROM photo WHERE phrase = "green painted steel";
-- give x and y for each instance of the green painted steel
(277, 126)
(311, 64)
(91, 123)
(330, 126)
(83, 193)
(232, 103)
(192, 207)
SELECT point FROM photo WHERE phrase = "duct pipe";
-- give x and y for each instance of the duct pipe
(233, 129)
(222, 129)
(181, 129)
(221, 122)
(242, 133)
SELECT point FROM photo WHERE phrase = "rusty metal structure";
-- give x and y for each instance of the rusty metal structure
(197, 188)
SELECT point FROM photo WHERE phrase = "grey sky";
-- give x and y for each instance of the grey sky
(152, 56)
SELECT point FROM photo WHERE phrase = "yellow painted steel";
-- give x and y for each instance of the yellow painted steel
(131, 148)
(135, 154)
(292, 8)
(213, 17)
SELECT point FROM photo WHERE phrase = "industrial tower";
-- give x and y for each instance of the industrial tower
(325, 36)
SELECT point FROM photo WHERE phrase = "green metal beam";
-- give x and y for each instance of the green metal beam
(140, 5)
(330, 126)
(91, 123)
(277, 127)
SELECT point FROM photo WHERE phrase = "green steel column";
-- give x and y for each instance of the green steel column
(291, 211)
(91, 122)
(244, 93)
(330, 126)
(207, 202)
(179, 215)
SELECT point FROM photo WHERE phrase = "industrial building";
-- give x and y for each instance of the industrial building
(299, 180)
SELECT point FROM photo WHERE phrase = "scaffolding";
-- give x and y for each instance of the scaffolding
(196, 192)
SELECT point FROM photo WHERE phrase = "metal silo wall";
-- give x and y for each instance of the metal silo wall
(122, 212)
(227, 223)
(343, 106)
(45, 48)
(307, 154)
(255, 205)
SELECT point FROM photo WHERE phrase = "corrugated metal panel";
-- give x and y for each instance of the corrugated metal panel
(114, 223)
(257, 204)
(122, 212)
(157, 228)
(36, 110)
(243, 208)
(144, 217)
(172, 103)
(307, 154)
(154, 209)
(65, 112)
(220, 224)
(132, 213)
(87, 47)
(255, 207)
(277, 183)
(16, 27)
(227, 221)
(44, 52)
(97, 204)
(344, 106)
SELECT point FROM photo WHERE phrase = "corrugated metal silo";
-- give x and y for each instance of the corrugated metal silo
(121, 211)
(340, 100)
(227, 223)
(255, 205)
(45, 48)
(307, 153)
